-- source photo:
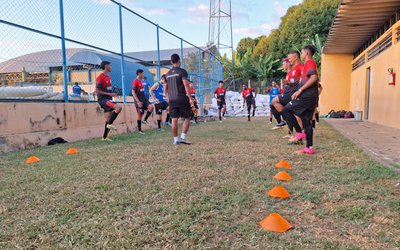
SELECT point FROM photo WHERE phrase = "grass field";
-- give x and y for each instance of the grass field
(143, 192)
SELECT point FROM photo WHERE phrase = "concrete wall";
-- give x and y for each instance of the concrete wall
(335, 80)
(25, 125)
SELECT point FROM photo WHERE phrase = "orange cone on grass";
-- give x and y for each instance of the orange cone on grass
(32, 159)
(283, 176)
(275, 223)
(279, 192)
(72, 151)
(283, 164)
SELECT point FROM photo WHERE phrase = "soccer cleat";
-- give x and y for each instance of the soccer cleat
(106, 139)
(300, 142)
(141, 132)
(145, 122)
(175, 143)
(220, 121)
(161, 130)
(279, 126)
(184, 141)
(287, 137)
(308, 151)
(298, 137)
(224, 118)
(168, 124)
(111, 127)
(269, 123)
(193, 122)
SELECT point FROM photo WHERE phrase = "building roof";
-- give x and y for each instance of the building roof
(165, 55)
(356, 21)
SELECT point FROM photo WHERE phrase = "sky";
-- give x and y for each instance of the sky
(96, 22)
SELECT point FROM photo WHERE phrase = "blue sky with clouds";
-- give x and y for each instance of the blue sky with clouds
(96, 22)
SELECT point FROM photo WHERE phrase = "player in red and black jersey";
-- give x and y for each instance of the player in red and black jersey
(141, 102)
(249, 96)
(104, 98)
(292, 85)
(220, 93)
(304, 100)
(195, 107)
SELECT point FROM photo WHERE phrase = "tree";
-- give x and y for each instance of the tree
(243, 45)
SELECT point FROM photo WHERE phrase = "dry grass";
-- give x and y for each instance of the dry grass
(142, 192)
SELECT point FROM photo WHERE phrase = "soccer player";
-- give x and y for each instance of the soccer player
(180, 99)
(220, 93)
(104, 97)
(292, 85)
(195, 107)
(275, 90)
(157, 92)
(304, 100)
(141, 102)
(248, 95)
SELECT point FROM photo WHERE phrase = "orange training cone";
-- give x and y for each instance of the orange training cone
(283, 176)
(72, 151)
(275, 223)
(32, 159)
(283, 164)
(279, 192)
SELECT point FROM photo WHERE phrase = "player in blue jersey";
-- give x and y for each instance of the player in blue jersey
(157, 93)
(275, 91)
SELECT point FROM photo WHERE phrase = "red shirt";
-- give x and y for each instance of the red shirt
(310, 68)
(103, 82)
(192, 91)
(295, 74)
(220, 92)
(247, 93)
(137, 87)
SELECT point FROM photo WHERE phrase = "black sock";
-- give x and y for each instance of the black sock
(223, 114)
(139, 124)
(313, 123)
(168, 118)
(276, 114)
(309, 132)
(195, 119)
(159, 123)
(291, 120)
(106, 130)
(113, 117)
(148, 114)
(254, 112)
(248, 117)
(220, 118)
(317, 116)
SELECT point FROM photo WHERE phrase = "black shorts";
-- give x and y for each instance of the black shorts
(107, 105)
(180, 111)
(304, 108)
(160, 107)
(145, 105)
(221, 102)
(284, 99)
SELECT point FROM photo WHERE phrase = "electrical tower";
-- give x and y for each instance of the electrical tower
(220, 29)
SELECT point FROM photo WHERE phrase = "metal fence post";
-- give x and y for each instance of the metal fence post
(201, 89)
(64, 54)
(212, 73)
(121, 37)
(158, 54)
(182, 56)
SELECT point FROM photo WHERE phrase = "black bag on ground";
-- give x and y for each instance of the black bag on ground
(348, 115)
(57, 140)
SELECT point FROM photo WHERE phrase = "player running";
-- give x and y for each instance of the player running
(104, 98)
(157, 93)
(249, 96)
(180, 99)
(220, 93)
(141, 102)
(304, 100)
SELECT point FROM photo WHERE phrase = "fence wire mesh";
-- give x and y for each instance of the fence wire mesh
(31, 51)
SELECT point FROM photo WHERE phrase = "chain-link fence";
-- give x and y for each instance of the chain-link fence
(52, 50)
